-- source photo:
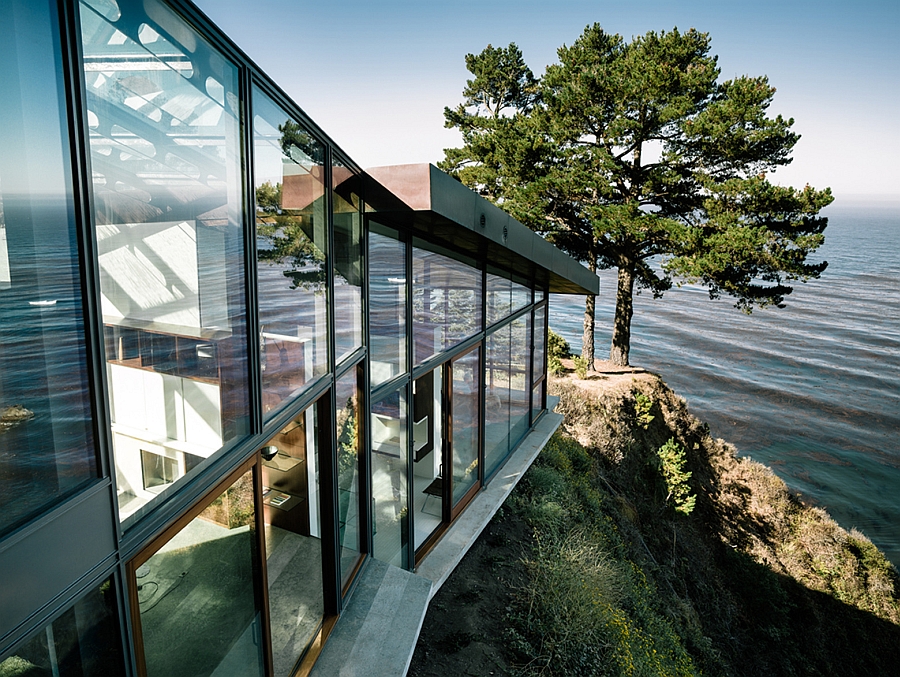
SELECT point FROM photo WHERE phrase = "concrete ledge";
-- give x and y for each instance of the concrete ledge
(442, 560)
(378, 629)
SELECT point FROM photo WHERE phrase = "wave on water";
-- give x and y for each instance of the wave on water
(812, 390)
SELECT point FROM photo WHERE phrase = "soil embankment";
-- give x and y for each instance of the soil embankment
(640, 545)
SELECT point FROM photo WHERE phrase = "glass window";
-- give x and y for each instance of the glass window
(348, 437)
(387, 304)
(83, 642)
(540, 341)
(537, 400)
(389, 494)
(348, 260)
(465, 397)
(290, 469)
(291, 244)
(499, 300)
(165, 151)
(46, 442)
(496, 399)
(196, 593)
(446, 302)
(519, 377)
(428, 454)
(519, 297)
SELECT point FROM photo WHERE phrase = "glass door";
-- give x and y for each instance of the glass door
(428, 455)
(464, 429)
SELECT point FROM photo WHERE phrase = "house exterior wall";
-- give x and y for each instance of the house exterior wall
(227, 381)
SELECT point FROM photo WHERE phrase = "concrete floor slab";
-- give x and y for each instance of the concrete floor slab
(377, 631)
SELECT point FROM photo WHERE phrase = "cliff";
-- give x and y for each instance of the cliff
(614, 558)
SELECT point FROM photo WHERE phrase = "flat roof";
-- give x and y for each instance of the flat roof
(426, 200)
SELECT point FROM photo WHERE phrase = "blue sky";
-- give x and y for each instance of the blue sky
(377, 75)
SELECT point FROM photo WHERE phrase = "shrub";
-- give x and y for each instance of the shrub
(555, 366)
(642, 406)
(557, 346)
(671, 463)
(581, 366)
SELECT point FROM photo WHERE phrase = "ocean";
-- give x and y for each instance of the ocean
(811, 390)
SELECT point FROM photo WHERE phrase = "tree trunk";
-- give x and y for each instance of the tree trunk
(621, 337)
(587, 337)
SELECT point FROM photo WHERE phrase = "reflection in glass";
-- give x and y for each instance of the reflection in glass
(387, 304)
(46, 442)
(507, 386)
(198, 611)
(348, 436)
(348, 260)
(291, 506)
(466, 388)
(291, 242)
(519, 377)
(446, 302)
(428, 468)
(166, 159)
(84, 641)
(504, 297)
(537, 397)
(391, 521)
(496, 399)
(540, 341)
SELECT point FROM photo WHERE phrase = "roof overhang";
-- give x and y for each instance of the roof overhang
(434, 205)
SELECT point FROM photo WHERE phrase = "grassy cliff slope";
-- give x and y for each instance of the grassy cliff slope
(611, 558)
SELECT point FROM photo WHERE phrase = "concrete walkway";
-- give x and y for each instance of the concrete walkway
(378, 629)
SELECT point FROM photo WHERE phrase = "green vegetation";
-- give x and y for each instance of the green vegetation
(581, 366)
(671, 464)
(557, 346)
(627, 151)
(740, 578)
(555, 366)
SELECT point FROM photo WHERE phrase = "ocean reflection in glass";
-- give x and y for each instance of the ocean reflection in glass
(465, 395)
(165, 152)
(387, 304)
(46, 439)
(446, 302)
(291, 246)
(348, 260)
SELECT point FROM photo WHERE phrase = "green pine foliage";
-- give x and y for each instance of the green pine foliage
(628, 151)
(672, 462)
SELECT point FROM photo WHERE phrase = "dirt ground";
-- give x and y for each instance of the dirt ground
(462, 634)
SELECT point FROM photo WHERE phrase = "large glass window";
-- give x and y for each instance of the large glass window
(519, 377)
(387, 304)
(46, 442)
(465, 397)
(199, 614)
(291, 506)
(428, 454)
(348, 260)
(391, 519)
(504, 297)
(83, 642)
(165, 150)
(496, 399)
(291, 244)
(507, 387)
(348, 437)
(540, 341)
(446, 302)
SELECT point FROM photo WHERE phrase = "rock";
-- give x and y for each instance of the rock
(16, 413)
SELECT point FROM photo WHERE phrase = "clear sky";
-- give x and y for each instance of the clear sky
(376, 75)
